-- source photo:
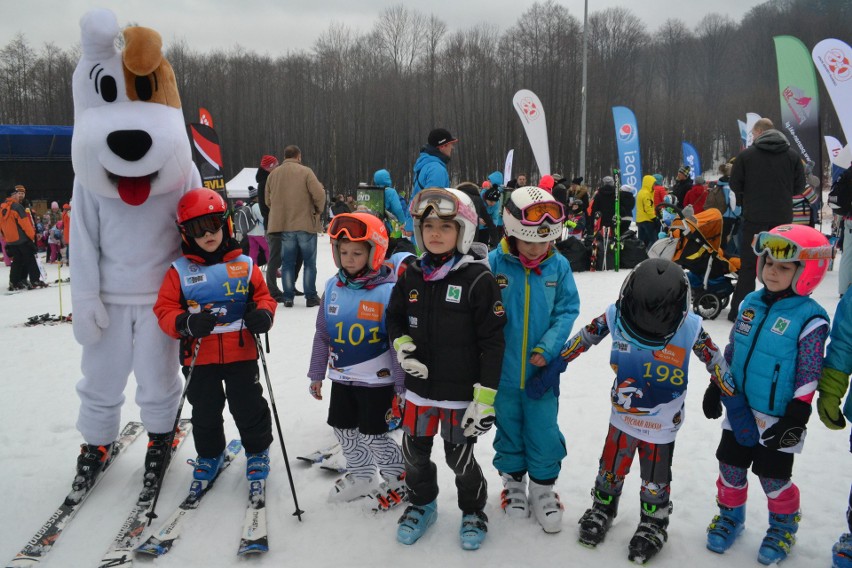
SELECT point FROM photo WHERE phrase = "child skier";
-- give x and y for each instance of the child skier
(215, 299)
(542, 302)
(365, 375)
(775, 356)
(832, 386)
(446, 319)
(653, 330)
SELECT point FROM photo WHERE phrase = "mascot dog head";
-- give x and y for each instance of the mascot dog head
(129, 137)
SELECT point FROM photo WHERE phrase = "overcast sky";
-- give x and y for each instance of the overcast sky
(277, 26)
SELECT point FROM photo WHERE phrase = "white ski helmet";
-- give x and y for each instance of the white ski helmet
(447, 204)
(533, 215)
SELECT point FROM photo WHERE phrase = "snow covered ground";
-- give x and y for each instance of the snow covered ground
(38, 409)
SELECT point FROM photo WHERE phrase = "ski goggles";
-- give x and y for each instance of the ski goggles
(782, 249)
(442, 202)
(345, 226)
(199, 226)
(536, 213)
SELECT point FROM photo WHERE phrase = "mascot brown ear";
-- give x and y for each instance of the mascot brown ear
(148, 75)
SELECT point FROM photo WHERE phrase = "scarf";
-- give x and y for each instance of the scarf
(436, 267)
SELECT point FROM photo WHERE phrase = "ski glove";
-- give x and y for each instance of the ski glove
(195, 325)
(546, 378)
(479, 416)
(790, 429)
(832, 387)
(404, 346)
(258, 321)
(741, 419)
(90, 319)
(712, 403)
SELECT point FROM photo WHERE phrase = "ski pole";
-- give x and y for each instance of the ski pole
(59, 282)
(257, 341)
(152, 514)
(617, 175)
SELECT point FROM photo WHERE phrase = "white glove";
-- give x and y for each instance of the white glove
(404, 346)
(89, 319)
(479, 416)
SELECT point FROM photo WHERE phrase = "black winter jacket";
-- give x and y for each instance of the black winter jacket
(765, 177)
(457, 325)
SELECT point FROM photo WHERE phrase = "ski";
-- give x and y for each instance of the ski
(333, 468)
(254, 538)
(43, 540)
(320, 455)
(160, 543)
(120, 552)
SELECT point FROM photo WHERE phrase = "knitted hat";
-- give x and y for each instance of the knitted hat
(577, 180)
(684, 170)
(546, 182)
(492, 194)
(268, 163)
(440, 136)
(238, 203)
(607, 180)
(699, 180)
(252, 192)
(658, 178)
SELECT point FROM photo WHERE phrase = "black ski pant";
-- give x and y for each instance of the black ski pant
(239, 384)
(421, 474)
(23, 263)
(748, 264)
(273, 263)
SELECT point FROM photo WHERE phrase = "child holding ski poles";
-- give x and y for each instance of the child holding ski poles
(446, 319)
(351, 345)
(542, 302)
(775, 356)
(653, 331)
(205, 298)
(832, 386)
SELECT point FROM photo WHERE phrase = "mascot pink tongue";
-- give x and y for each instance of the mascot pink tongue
(134, 190)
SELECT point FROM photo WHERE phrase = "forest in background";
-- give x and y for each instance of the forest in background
(359, 100)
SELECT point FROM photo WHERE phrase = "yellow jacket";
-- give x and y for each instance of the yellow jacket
(645, 201)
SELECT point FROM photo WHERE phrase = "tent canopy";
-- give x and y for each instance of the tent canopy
(238, 186)
(35, 142)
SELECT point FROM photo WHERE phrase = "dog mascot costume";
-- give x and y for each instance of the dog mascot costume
(132, 162)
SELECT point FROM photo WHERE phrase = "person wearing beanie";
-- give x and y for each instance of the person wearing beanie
(683, 183)
(696, 196)
(430, 168)
(560, 189)
(546, 183)
(16, 225)
(603, 205)
(660, 191)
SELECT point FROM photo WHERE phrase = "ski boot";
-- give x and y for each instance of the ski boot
(90, 464)
(596, 521)
(779, 539)
(349, 488)
(474, 527)
(650, 535)
(205, 471)
(257, 465)
(415, 521)
(513, 498)
(391, 492)
(157, 458)
(841, 552)
(546, 507)
(725, 528)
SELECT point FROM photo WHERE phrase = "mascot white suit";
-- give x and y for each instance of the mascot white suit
(132, 162)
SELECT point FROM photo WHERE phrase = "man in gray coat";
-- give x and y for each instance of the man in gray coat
(296, 200)
(765, 177)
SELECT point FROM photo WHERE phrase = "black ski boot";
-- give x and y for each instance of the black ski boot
(90, 464)
(650, 535)
(156, 460)
(596, 521)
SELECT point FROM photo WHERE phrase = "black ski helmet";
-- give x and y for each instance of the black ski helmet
(653, 303)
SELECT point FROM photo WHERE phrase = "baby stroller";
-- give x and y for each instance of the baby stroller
(694, 241)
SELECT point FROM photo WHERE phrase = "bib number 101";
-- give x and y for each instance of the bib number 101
(356, 334)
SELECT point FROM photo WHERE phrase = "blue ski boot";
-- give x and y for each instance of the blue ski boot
(474, 527)
(257, 465)
(415, 521)
(725, 528)
(841, 552)
(206, 469)
(779, 539)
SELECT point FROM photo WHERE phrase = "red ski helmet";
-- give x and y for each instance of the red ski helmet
(207, 207)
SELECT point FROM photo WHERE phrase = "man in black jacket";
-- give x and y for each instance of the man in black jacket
(765, 177)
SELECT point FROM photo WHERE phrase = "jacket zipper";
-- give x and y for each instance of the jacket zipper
(774, 384)
(526, 328)
(751, 349)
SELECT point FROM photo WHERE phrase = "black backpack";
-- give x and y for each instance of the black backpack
(840, 195)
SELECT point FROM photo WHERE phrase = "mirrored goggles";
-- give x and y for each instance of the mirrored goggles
(442, 202)
(352, 228)
(199, 226)
(782, 249)
(537, 213)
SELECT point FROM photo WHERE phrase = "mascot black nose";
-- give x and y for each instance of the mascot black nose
(130, 145)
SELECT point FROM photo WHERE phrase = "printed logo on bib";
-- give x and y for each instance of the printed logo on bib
(671, 354)
(237, 269)
(780, 326)
(743, 328)
(621, 346)
(499, 310)
(371, 311)
(748, 315)
(550, 284)
(412, 296)
(193, 279)
(502, 281)
(412, 321)
(333, 309)
(454, 294)
(333, 297)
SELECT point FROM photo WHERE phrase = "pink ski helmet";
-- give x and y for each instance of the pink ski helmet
(795, 243)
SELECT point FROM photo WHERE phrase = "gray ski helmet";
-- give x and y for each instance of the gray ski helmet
(653, 303)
